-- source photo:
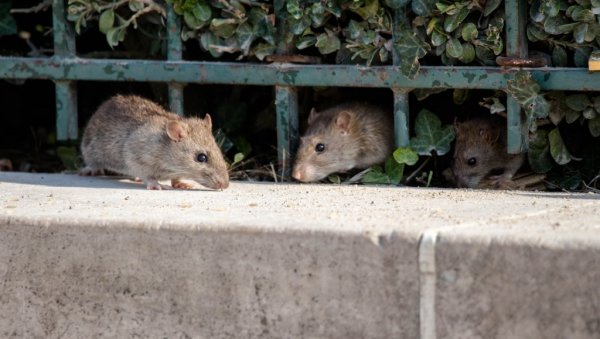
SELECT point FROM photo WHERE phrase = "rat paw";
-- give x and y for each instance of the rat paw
(88, 171)
(502, 182)
(155, 185)
(176, 183)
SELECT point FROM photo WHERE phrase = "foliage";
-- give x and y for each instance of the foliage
(567, 29)
(430, 135)
(393, 170)
(114, 17)
(8, 25)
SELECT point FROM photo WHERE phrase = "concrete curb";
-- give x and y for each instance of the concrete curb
(94, 257)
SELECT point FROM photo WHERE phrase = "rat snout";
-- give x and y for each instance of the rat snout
(302, 173)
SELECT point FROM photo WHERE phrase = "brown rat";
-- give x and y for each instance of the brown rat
(480, 157)
(349, 135)
(134, 136)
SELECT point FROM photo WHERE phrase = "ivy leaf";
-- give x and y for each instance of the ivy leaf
(136, 5)
(368, 10)
(8, 25)
(209, 40)
(526, 92)
(405, 155)
(327, 43)
(293, 7)
(263, 49)
(202, 11)
(410, 48)
(394, 170)
(224, 28)
(375, 176)
(430, 135)
(115, 35)
(539, 152)
(558, 150)
(306, 41)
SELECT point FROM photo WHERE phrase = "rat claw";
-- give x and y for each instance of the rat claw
(176, 183)
(152, 184)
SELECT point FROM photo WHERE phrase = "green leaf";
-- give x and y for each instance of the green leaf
(578, 102)
(297, 26)
(490, 6)
(293, 7)
(526, 92)
(394, 170)
(423, 7)
(369, 10)
(224, 28)
(8, 25)
(596, 102)
(589, 113)
(406, 156)
(375, 176)
(306, 41)
(468, 54)
(396, 3)
(68, 156)
(469, 32)
(559, 57)
(539, 152)
(551, 7)
(263, 49)
(453, 21)
(237, 158)
(454, 48)
(106, 21)
(536, 34)
(136, 5)
(208, 41)
(558, 150)
(580, 32)
(115, 35)
(535, 11)
(430, 135)
(327, 43)
(571, 116)
(410, 48)
(594, 126)
(581, 56)
(438, 38)
(202, 11)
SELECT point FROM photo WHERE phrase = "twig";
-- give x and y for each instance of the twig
(413, 174)
(42, 6)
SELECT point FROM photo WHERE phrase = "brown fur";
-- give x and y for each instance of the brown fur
(136, 137)
(355, 135)
(484, 140)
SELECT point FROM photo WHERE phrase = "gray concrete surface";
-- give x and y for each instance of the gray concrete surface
(95, 257)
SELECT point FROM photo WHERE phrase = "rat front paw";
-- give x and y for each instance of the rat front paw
(176, 183)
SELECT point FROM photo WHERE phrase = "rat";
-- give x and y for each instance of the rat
(480, 157)
(134, 136)
(346, 136)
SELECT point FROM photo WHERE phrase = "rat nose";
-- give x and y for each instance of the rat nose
(297, 174)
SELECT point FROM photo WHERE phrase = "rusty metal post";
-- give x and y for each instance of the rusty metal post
(401, 106)
(174, 53)
(516, 46)
(66, 91)
(286, 105)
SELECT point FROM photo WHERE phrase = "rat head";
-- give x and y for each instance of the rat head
(474, 151)
(194, 153)
(328, 146)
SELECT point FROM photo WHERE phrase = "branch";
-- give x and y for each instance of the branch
(42, 6)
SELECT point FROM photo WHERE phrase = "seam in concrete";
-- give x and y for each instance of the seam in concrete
(427, 279)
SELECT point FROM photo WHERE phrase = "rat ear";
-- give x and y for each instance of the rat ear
(175, 131)
(312, 116)
(456, 125)
(342, 121)
(208, 120)
(490, 134)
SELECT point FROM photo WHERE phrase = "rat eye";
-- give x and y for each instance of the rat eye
(319, 148)
(472, 161)
(201, 157)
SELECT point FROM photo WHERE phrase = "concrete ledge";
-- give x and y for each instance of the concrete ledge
(96, 257)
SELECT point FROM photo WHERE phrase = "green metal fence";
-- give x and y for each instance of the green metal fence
(65, 69)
